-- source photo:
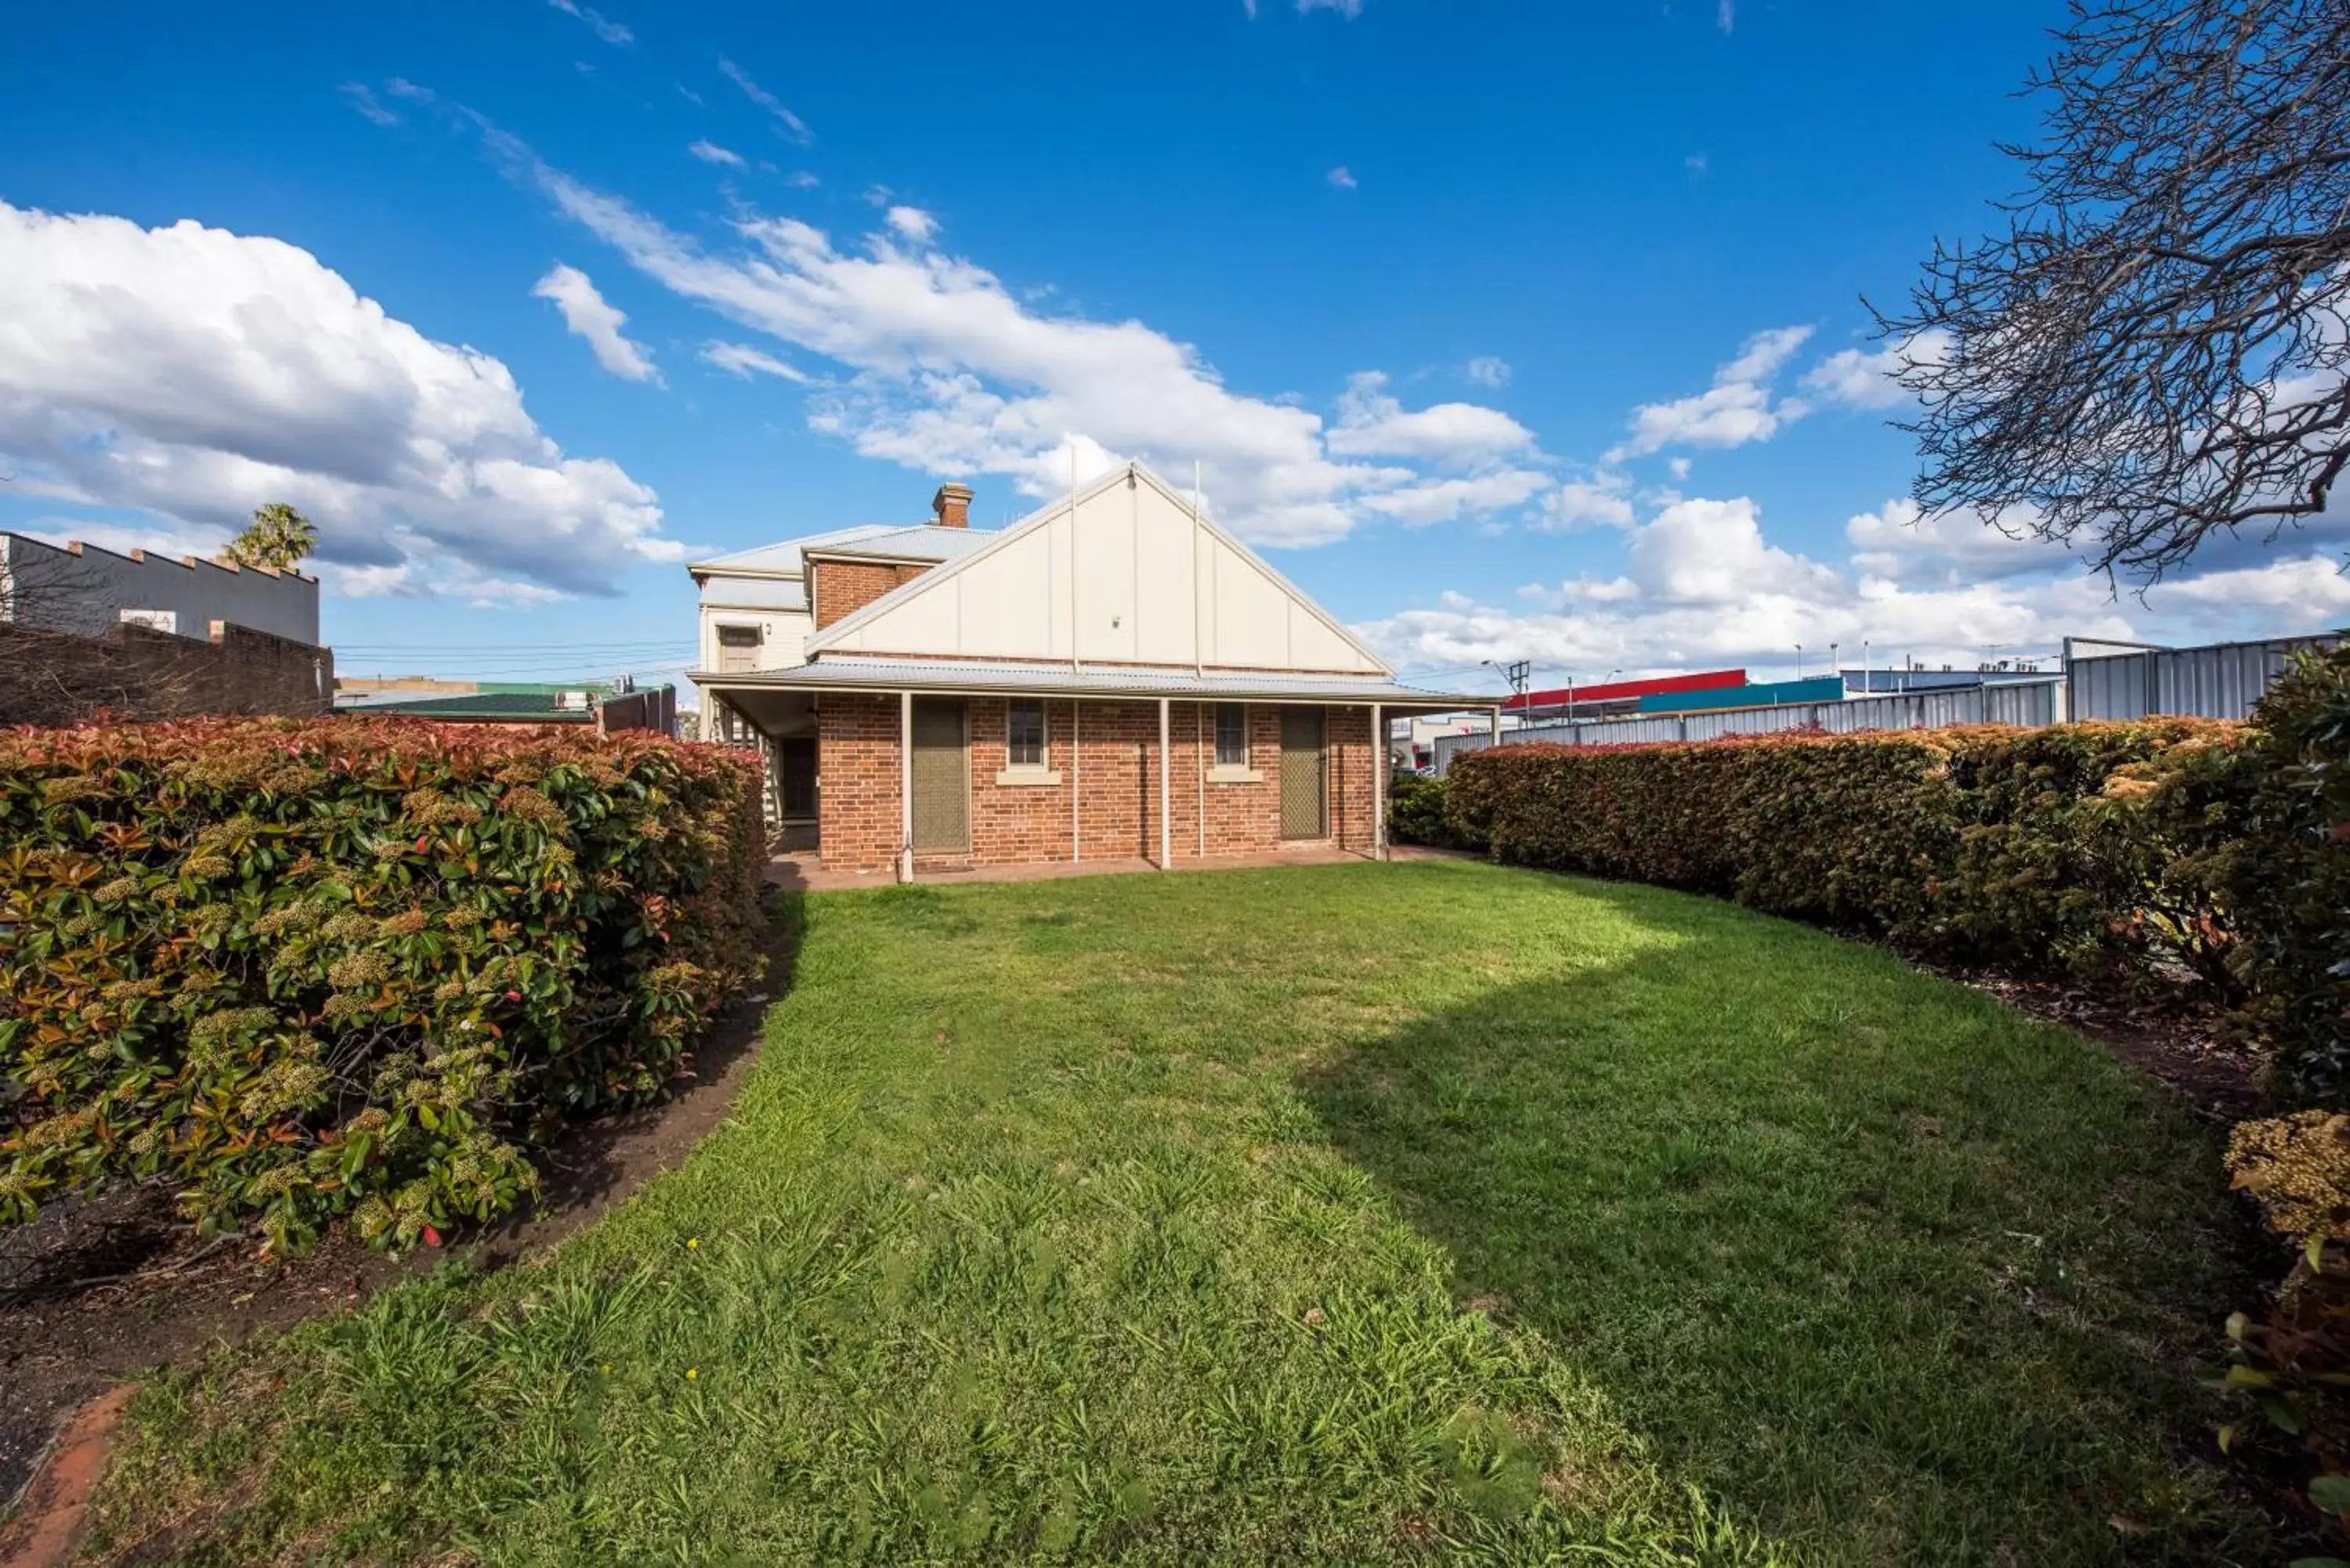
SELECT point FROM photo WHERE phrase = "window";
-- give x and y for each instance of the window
(738, 649)
(1231, 735)
(1023, 734)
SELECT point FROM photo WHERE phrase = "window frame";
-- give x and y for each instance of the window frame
(1239, 713)
(1042, 759)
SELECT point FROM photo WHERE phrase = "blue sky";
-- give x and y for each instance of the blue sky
(1507, 330)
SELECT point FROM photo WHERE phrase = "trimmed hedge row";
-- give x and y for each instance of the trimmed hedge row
(305, 969)
(1982, 844)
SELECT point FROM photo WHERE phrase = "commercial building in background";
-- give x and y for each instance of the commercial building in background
(609, 706)
(150, 636)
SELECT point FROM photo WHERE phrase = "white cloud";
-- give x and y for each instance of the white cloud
(742, 359)
(1372, 423)
(1488, 370)
(801, 180)
(1443, 500)
(1725, 15)
(1704, 587)
(1737, 409)
(610, 31)
(1899, 542)
(2289, 597)
(1857, 379)
(913, 223)
(586, 314)
(1605, 497)
(711, 152)
(1349, 9)
(787, 122)
(197, 374)
(953, 374)
(1341, 178)
(365, 102)
(1679, 467)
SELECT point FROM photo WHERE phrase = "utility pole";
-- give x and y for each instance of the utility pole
(1516, 673)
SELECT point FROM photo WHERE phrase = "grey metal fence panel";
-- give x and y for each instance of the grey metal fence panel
(2028, 703)
(2221, 682)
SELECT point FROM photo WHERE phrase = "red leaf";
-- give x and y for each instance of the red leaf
(431, 1237)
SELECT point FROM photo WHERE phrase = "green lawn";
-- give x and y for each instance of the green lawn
(1349, 1214)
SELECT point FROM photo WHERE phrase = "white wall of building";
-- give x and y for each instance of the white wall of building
(1133, 579)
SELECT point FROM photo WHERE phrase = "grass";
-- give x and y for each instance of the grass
(1353, 1214)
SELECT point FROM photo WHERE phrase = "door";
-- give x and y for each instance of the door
(1305, 800)
(942, 777)
(798, 771)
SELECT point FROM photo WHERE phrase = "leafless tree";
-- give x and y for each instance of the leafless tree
(62, 660)
(2155, 351)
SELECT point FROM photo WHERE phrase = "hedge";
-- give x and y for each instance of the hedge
(301, 970)
(1982, 845)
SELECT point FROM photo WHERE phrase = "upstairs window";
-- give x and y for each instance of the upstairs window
(1024, 737)
(1231, 735)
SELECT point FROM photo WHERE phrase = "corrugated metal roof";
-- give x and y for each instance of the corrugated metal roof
(512, 706)
(784, 554)
(976, 675)
(755, 593)
(927, 542)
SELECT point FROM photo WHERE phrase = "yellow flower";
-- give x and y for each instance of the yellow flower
(692, 1244)
(691, 1375)
(608, 1369)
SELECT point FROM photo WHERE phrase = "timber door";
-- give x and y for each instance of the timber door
(942, 777)
(1305, 795)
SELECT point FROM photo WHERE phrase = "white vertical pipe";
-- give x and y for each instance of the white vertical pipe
(1200, 766)
(1077, 780)
(1166, 828)
(1378, 786)
(906, 787)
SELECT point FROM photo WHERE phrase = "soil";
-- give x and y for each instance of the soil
(101, 1289)
(2173, 1045)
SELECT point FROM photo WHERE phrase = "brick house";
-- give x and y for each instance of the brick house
(1111, 678)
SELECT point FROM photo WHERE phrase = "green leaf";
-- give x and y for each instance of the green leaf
(2331, 1494)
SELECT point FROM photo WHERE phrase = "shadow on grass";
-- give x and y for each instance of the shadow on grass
(1893, 1271)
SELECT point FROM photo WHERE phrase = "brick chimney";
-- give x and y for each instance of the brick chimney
(953, 503)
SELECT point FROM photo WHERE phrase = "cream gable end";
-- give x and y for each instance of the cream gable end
(1135, 578)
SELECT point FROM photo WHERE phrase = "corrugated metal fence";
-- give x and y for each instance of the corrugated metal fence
(2221, 682)
(2026, 702)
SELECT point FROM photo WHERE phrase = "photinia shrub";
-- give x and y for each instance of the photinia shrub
(304, 969)
(1982, 845)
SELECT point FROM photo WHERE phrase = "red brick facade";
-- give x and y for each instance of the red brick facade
(838, 589)
(1114, 775)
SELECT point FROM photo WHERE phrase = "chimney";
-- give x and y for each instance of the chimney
(953, 503)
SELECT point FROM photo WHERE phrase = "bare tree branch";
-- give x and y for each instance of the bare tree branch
(2157, 350)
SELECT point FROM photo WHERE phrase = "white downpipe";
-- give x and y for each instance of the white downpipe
(1378, 786)
(906, 787)
(1199, 767)
(1166, 827)
(1076, 783)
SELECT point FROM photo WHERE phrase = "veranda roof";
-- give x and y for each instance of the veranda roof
(983, 677)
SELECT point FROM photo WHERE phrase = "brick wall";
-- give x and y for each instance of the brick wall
(838, 589)
(136, 673)
(1116, 778)
(858, 822)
